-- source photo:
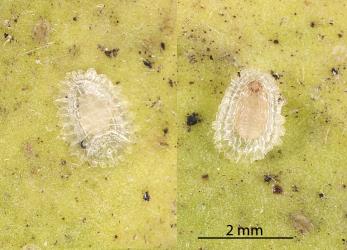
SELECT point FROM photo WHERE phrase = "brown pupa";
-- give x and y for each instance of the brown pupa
(249, 121)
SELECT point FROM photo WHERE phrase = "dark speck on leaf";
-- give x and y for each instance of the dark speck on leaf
(8, 37)
(165, 130)
(334, 71)
(74, 18)
(111, 53)
(267, 178)
(146, 196)
(270, 177)
(193, 119)
(162, 45)
(171, 82)
(276, 41)
(321, 195)
(312, 24)
(83, 144)
(147, 63)
(277, 189)
(275, 75)
(205, 177)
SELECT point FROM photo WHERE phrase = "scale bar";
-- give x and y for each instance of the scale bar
(244, 238)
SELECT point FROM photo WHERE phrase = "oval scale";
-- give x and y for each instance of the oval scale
(249, 121)
(94, 118)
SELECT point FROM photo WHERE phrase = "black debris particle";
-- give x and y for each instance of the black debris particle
(146, 196)
(280, 99)
(276, 41)
(83, 144)
(171, 82)
(267, 178)
(162, 45)
(334, 71)
(109, 52)
(321, 195)
(193, 119)
(112, 52)
(8, 37)
(148, 63)
(63, 162)
(340, 35)
(275, 75)
(115, 236)
(270, 177)
(312, 24)
(204, 177)
(75, 18)
(277, 189)
(165, 131)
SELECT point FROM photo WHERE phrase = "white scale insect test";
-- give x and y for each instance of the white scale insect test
(249, 121)
(94, 118)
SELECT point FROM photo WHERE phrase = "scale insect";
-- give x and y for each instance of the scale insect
(249, 121)
(94, 118)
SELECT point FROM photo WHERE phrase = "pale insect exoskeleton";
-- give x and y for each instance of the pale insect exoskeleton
(249, 121)
(94, 118)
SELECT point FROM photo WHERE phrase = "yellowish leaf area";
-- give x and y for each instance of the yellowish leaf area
(299, 189)
(48, 198)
